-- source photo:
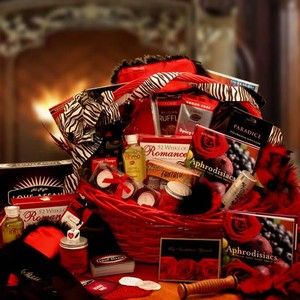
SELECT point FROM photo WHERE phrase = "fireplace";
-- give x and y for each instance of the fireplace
(49, 50)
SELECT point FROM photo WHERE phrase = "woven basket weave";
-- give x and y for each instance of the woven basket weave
(138, 229)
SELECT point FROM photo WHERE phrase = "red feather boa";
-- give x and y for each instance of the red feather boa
(280, 195)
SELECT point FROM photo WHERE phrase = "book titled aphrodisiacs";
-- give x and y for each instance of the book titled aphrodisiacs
(221, 157)
(259, 240)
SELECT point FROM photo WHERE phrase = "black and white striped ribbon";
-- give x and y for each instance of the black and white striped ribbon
(276, 136)
(78, 125)
(80, 116)
(152, 84)
(227, 93)
(221, 92)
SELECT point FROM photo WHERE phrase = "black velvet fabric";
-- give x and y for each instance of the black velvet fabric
(40, 278)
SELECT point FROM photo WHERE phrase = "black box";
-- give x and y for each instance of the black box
(19, 180)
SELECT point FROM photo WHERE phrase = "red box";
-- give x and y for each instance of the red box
(33, 209)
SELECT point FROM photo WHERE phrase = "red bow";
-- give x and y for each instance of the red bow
(120, 181)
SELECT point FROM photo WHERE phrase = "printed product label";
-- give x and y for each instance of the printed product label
(31, 216)
(174, 153)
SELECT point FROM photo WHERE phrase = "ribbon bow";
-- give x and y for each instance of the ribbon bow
(120, 181)
(78, 125)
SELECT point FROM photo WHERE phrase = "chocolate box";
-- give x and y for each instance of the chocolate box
(20, 180)
(194, 111)
(34, 209)
(163, 172)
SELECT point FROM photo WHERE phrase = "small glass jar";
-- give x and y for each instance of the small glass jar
(13, 225)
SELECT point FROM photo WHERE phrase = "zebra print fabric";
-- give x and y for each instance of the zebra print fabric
(78, 122)
(152, 84)
(81, 115)
(227, 93)
(276, 136)
(222, 92)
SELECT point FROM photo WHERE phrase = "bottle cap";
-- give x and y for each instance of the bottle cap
(12, 211)
(131, 139)
(177, 189)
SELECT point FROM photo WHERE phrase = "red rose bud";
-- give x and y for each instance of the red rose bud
(207, 268)
(168, 267)
(186, 269)
(288, 282)
(242, 228)
(209, 144)
(252, 281)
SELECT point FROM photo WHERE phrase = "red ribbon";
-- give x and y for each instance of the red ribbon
(120, 180)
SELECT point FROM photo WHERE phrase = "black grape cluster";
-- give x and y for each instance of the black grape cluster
(280, 239)
(240, 158)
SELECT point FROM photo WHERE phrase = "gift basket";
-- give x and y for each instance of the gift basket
(160, 99)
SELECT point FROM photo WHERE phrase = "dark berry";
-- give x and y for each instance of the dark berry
(286, 243)
(267, 235)
(278, 251)
(288, 257)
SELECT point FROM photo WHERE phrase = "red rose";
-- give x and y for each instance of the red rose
(279, 267)
(241, 228)
(209, 144)
(168, 266)
(289, 282)
(207, 268)
(251, 280)
(186, 269)
(251, 202)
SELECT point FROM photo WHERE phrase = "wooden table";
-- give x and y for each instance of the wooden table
(168, 291)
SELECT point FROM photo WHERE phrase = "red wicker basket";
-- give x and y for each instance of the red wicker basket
(138, 229)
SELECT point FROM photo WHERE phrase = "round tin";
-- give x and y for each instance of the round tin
(177, 189)
(147, 198)
(100, 180)
(74, 254)
(131, 189)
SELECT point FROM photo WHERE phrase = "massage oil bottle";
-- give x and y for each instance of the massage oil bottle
(13, 225)
(134, 158)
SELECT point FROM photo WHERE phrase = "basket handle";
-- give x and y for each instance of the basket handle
(146, 86)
